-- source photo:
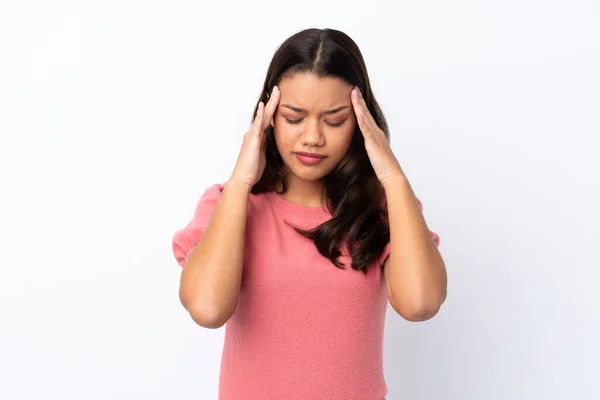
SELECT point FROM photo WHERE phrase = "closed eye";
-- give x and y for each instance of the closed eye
(297, 121)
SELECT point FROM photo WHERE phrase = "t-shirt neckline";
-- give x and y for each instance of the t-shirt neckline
(296, 209)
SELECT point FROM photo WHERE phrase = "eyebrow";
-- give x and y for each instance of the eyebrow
(298, 109)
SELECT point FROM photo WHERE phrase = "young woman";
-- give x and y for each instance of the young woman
(315, 231)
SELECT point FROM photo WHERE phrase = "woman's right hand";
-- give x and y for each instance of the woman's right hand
(251, 161)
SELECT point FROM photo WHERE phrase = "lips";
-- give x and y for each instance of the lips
(312, 155)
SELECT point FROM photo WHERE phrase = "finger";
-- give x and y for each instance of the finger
(258, 129)
(259, 117)
(271, 107)
(359, 110)
(369, 117)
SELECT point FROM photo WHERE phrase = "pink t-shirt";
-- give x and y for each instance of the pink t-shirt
(303, 328)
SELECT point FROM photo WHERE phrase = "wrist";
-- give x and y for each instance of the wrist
(394, 181)
(238, 184)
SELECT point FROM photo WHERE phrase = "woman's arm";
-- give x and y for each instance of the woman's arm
(212, 274)
(415, 271)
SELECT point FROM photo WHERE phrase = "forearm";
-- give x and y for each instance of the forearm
(417, 274)
(211, 277)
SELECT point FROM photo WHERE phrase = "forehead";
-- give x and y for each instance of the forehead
(314, 93)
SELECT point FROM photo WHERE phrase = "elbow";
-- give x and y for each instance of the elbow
(419, 314)
(208, 319)
(206, 316)
(417, 311)
(203, 312)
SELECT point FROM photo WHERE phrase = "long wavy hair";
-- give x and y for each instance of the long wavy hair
(356, 199)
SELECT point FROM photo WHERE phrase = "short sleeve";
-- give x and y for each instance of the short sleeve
(386, 250)
(185, 240)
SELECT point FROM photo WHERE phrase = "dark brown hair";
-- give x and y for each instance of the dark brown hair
(356, 197)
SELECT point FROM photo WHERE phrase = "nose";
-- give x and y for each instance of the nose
(311, 135)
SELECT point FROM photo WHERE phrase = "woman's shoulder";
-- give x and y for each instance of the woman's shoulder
(213, 192)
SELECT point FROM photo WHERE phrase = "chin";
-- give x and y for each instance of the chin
(308, 174)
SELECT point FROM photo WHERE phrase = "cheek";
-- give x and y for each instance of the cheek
(285, 133)
(283, 139)
(343, 138)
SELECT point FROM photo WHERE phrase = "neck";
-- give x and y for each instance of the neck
(302, 192)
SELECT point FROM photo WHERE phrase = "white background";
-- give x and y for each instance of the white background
(115, 116)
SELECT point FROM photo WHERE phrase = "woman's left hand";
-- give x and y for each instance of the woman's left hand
(378, 148)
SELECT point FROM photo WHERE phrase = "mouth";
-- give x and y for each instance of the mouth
(313, 155)
(310, 158)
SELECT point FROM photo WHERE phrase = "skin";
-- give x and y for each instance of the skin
(313, 133)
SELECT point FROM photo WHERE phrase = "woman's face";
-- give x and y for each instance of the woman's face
(314, 115)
